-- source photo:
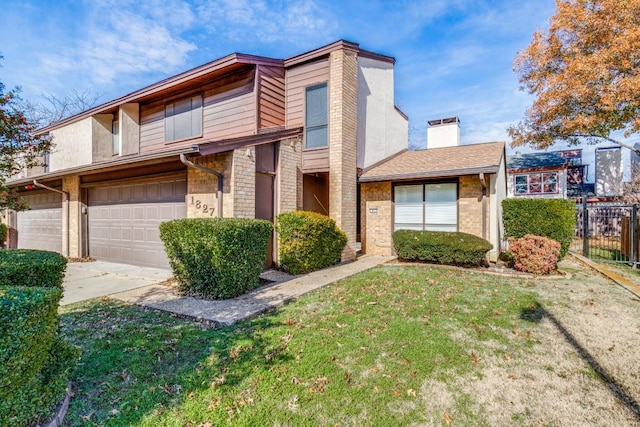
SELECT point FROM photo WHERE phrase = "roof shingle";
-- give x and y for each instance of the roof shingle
(438, 163)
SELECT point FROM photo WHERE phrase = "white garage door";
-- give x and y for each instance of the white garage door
(123, 220)
(41, 226)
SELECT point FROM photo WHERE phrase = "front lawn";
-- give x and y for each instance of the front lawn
(356, 353)
(394, 346)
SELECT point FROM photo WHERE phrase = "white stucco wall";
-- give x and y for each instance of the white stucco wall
(72, 145)
(382, 130)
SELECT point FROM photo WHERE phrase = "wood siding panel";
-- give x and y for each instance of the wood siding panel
(271, 97)
(297, 79)
(228, 111)
(315, 160)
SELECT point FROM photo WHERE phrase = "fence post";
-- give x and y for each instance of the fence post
(633, 229)
(585, 228)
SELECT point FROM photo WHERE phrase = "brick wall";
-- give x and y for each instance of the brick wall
(376, 218)
(243, 182)
(470, 206)
(289, 176)
(343, 84)
(202, 187)
(71, 184)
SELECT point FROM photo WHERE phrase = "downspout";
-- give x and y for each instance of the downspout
(189, 163)
(484, 205)
(65, 224)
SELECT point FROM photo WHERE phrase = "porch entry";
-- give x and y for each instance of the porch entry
(266, 161)
(607, 232)
(315, 192)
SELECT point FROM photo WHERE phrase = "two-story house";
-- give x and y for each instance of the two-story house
(241, 136)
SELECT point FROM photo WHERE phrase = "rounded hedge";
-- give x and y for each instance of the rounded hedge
(441, 247)
(35, 361)
(217, 258)
(28, 267)
(308, 241)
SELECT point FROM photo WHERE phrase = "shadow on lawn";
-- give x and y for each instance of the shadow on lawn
(136, 361)
(536, 313)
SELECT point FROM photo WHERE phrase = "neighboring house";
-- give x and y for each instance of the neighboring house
(249, 136)
(537, 175)
(242, 136)
(565, 174)
(446, 187)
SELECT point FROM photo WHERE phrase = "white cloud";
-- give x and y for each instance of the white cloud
(121, 42)
(295, 23)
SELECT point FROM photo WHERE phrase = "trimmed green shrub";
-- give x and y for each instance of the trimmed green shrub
(35, 362)
(441, 247)
(26, 267)
(216, 257)
(534, 254)
(308, 241)
(552, 218)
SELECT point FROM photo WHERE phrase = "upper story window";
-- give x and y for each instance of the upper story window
(316, 116)
(536, 183)
(183, 119)
(115, 140)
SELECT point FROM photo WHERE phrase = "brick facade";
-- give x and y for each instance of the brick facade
(376, 218)
(71, 184)
(202, 187)
(289, 176)
(343, 114)
(470, 206)
(243, 183)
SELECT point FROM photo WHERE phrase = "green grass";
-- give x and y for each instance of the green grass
(358, 352)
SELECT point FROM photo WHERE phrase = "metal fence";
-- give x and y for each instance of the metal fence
(604, 231)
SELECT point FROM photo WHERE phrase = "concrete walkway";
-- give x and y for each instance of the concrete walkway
(88, 280)
(267, 297)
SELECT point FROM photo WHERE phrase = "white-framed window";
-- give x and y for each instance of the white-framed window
(115, 138)
(183, 119)
(536, 183)
(316, 116)
(426, 206)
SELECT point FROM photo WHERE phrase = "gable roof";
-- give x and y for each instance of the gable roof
(535, 161)
(438, 163)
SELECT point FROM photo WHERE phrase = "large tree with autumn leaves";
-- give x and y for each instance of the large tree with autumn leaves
(585, 74)
(20, 146)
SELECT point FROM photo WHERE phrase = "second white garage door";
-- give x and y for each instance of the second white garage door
(123, 220)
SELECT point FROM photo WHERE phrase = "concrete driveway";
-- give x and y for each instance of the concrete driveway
(88, 280)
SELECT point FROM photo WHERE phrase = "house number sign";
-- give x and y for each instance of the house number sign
(202, 206)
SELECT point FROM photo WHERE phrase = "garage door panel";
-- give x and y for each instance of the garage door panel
(132, 221)
(41, 226)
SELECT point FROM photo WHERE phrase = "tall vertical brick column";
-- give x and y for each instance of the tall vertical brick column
(289, 187)
(243, 182)
(71, 184)
(343, 112)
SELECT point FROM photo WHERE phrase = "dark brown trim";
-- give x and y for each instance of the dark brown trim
(321, 52)
(386, 159)
(401, 112)
(215, 147)
(430, 175)
(140, 179)
(216, 65)
(377, 56)
(104, 166)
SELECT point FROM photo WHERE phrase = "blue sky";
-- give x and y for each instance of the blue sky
(454, 57)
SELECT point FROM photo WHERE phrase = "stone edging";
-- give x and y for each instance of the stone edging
(61, 411)
(512, 275)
